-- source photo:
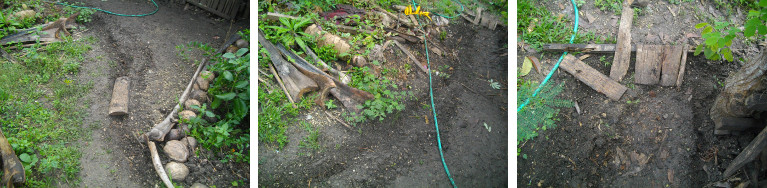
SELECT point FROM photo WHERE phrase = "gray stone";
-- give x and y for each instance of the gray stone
(177, 171)
(176, 150)
(202, 83)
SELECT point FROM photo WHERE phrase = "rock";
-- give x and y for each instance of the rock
(241, 43)
(359, 61)
(440, 21)
(640, 3)
(191, 102)
(202, 83)
(195, 87)
(232, 49)
(177, 171)
(208, 75)
(176, 150)
(436, 50)
(175, 134)
(198, 185)
(187, 114)
(200, 96)
(189, 141)
(21, 15)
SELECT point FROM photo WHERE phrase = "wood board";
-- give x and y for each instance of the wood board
(670, 66)
(593, 78)
(623, 50)
(647, 67)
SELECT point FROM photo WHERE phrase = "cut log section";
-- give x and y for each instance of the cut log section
(623, 52)
(647, 67)
(119, 104)
(757, 102)
(13, 171)
(737, 124)
(670, 68)
(593, 78)
(325, 83)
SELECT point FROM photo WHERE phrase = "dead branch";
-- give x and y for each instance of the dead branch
(158, 164)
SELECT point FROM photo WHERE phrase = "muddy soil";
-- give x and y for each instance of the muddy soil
(653, 136)
(401, 151)
(143, 48)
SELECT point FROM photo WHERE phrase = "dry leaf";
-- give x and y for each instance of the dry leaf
(527, 65)
(536, 63)
(584, 57)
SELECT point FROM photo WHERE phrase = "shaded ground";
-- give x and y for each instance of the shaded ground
(653, 136)
(143, 48)
(401, 151)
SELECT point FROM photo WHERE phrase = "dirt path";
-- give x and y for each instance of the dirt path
(653, 136)
(142, 48)
(401, 150)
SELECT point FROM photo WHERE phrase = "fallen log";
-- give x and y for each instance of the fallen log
(13, 171)
(296, 83)
(325, 83)
(731, 102)
(350, 97)
(326, 39)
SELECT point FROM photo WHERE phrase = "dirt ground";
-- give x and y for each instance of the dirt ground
(143, 48)
(401, 150)
(670, 126)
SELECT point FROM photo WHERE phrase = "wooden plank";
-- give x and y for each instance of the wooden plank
(623, 51)
(647, 70)
(119, 104)
(593, 78)
(749, 153)
(682, 65)
(670, 66)
(737, 124)
(590, 48)
(757, 101)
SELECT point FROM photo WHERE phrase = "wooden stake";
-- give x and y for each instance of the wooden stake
(623, 52)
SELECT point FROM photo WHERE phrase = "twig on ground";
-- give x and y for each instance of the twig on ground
(339, 120)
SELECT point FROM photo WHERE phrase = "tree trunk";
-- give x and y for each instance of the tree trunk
(731, 102)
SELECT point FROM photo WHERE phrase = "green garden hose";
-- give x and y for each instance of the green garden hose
(575, 31)
(431, 95)
(156, 8)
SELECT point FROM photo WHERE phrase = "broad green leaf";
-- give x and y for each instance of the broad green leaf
(700, 25)
(751, 26)
(753, 13)
(721, 25)
(708, 29)
(727, 54)
(240, 108)
(708, 52)
(226, 96)
(763, 3)
(241, 52)
(228, 75)
(241, 84)
(229, 55)
(216, 102)
(527, 65)
(711, 40)
(762, 29)
(698, 49)
(25, 158)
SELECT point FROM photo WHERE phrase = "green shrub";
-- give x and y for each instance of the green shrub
(541, 113)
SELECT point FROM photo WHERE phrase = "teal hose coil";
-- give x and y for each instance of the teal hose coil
(156, 8)
(431, 95)
(575, 32)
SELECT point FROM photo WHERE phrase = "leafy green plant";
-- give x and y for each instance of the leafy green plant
(287, 33)
(330, 104)
(311, 141)
(542, 111)
(385, 101)
(717, 40)
(494, 84)
(609, 5)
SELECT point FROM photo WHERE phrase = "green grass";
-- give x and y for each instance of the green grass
(41, 109)
(311, 141)
(538, 26)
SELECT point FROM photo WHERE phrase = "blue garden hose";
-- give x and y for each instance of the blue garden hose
(575, 31)
(156, 8)
(431, 95)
